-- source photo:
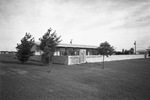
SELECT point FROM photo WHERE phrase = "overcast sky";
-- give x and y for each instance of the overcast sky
(89, 22)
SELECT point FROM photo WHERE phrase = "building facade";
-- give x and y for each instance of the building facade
(70, 49)
(70, 53)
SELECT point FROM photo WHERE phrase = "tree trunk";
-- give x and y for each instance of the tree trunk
(49, 64)
(103, 62)
(50, 67)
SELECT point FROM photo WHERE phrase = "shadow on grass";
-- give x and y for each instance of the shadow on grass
(35, 63)
(12, 59)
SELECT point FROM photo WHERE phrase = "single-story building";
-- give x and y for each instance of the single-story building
(70, 53)
(141, 52)
(4, 52)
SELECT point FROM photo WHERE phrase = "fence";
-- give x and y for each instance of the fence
(71, 60)
(96, 58)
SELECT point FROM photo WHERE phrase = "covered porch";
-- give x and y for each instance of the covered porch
(72, 49)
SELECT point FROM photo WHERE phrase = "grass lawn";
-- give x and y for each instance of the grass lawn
(120, 80)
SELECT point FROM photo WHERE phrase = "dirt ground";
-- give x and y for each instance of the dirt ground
(120, 80)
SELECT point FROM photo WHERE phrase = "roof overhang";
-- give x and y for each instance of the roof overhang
(62, 45)
(76, 46)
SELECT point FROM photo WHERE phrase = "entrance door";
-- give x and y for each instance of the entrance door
(82, 55)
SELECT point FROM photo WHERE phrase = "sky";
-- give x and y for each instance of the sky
(86, 22)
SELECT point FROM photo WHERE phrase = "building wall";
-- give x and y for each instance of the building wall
(38, 53)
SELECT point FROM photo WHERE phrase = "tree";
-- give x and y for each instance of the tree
(49, 41)
(105, 49)
(24, 49)
(131, 50)
(126, 52)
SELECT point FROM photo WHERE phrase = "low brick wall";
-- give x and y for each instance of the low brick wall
(73, 60)
(60, 60)
(93, 58)
(56, 59)
(123, 57)
(36, 58)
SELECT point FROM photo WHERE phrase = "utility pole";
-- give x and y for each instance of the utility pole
(135, 46)
(71, 41)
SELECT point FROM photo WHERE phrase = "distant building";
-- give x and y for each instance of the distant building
(4, 52)
(7, 52)
(141, 52)
(147, 51)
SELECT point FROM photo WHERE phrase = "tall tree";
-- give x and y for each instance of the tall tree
(105, 49)
(131, 50)
(49, 41)
(24, 49)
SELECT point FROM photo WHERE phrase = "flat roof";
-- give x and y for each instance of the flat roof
(76, 46)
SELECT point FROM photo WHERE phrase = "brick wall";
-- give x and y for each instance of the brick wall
(36, 58)
(60, 60)
(56, 59)
(73, 60)
(93, 58)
